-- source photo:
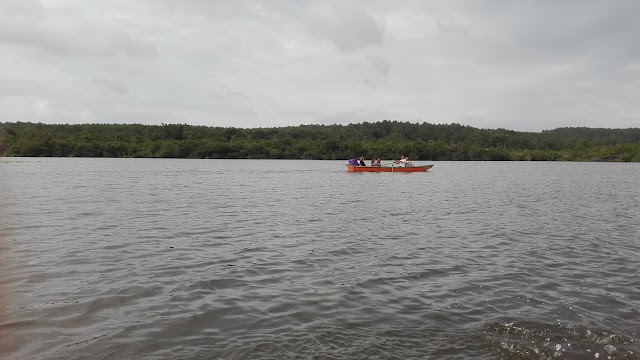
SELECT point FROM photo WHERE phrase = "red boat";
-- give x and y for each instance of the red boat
(354, 168)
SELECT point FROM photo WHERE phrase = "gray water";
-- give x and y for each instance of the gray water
(221, 259)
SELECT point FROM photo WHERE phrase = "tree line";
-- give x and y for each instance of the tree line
(385, 139)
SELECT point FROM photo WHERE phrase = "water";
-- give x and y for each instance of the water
(221, 259)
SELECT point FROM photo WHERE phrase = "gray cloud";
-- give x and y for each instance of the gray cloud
(74, 31)
(113, 85)
(349, 28)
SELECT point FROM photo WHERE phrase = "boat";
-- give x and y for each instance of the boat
(355, 168)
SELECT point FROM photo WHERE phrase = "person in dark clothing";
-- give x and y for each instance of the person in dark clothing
(362, 161)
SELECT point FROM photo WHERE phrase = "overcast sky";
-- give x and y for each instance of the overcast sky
(521, 65)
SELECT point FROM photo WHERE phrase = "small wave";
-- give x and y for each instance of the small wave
(532, 340)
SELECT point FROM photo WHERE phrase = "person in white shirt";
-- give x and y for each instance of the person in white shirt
(404, 161)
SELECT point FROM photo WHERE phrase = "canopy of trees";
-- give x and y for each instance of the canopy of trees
(385, 139)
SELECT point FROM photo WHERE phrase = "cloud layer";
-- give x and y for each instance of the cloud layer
(517, 65)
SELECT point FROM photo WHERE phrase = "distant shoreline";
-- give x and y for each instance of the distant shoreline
(386, 139)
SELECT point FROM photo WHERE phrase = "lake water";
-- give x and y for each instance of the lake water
(262, 259)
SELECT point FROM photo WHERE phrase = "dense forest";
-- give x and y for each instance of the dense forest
(385, 139)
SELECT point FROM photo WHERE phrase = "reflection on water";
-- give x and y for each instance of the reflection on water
(215, 259)
(4, 297)
(4, 278)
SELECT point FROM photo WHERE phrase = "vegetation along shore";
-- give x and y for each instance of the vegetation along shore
(385, 139)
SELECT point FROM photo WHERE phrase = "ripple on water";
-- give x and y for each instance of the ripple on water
(531, 340)
(166, 259)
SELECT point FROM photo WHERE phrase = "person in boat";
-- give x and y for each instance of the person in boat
(402, 162)
(376, 162)
(373, 162)
(353, 162)
(362, 161)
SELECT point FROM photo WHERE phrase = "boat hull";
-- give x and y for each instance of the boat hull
(353, 168)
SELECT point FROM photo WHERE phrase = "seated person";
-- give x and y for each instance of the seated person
(362, 161)
(403, 161)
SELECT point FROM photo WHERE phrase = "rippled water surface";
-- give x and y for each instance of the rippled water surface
(221, 259)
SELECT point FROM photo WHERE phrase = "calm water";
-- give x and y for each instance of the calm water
(220, 259)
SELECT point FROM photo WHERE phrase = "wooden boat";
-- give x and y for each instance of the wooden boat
(353, 168)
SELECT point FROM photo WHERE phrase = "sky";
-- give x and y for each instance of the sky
(519, 65)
